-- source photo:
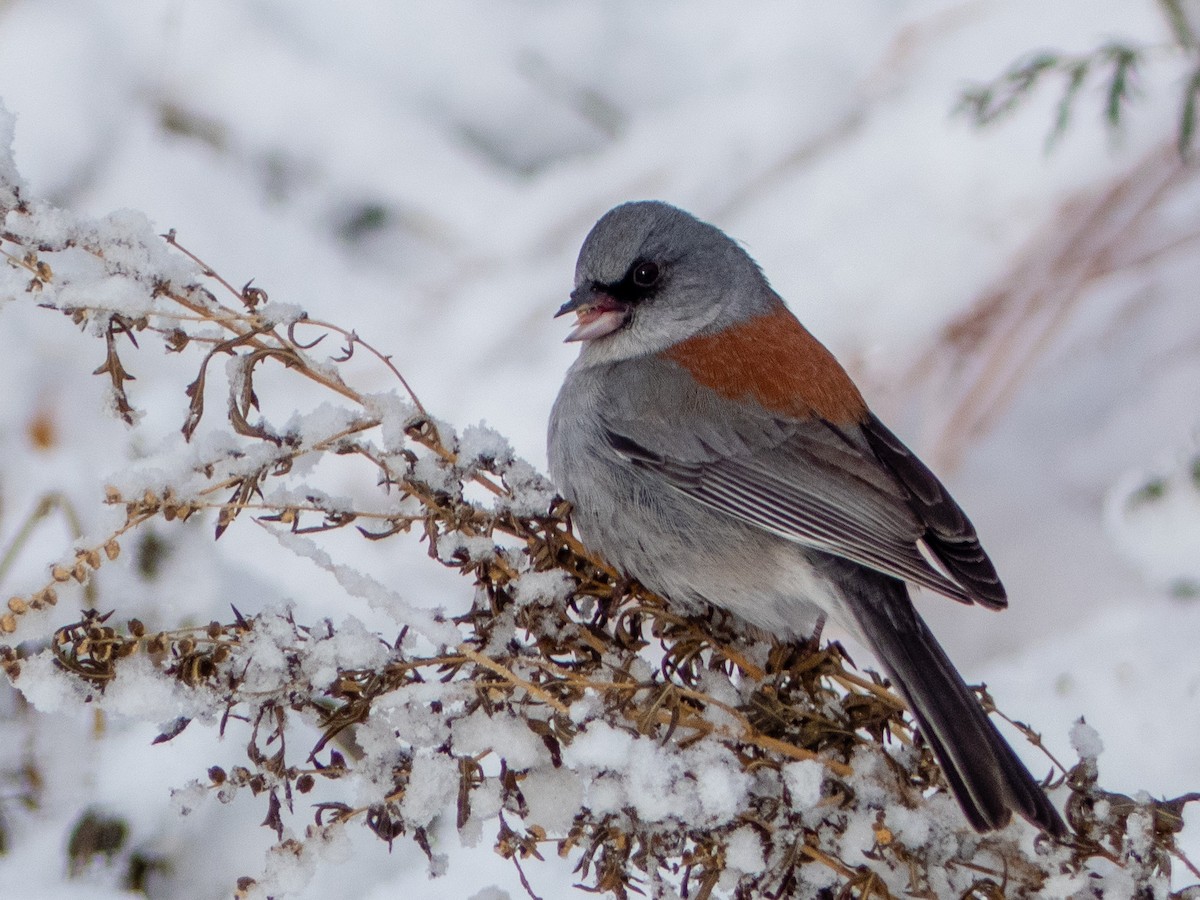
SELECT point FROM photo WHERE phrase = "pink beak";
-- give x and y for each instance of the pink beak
(597, 313)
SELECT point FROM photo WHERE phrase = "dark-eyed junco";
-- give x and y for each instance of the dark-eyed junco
(714, 450)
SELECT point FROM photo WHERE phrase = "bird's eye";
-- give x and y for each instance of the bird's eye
(645, 275)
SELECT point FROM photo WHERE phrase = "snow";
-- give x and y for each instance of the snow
(378, 595)
(431, 785)
(1085, 740)
(744, 852)
(422, 174)
(543, 587)
(600, 746)
(804, 779)
(349, 646)
(553, 796)
(11, 183)
(509, 738)
(700, 784)
(47, 687)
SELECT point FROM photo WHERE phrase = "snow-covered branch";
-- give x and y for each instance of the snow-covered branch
(565, 713)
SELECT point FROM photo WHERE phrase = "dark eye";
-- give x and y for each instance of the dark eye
(645, 275)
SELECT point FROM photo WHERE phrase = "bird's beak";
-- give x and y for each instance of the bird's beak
(598, 314)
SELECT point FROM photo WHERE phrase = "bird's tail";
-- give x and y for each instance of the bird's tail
(988, 780)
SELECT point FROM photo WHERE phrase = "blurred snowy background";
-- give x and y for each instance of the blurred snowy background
(424, 172)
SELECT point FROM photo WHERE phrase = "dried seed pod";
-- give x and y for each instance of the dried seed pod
(18, 606)
(112, 549)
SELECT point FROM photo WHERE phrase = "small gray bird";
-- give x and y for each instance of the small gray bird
(714, 450)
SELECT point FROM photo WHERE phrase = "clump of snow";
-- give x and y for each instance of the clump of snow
(586, 707)
(141, 691)
(457, 545)
(506, 736)
(1086, 740)
(347, 645)
(114, 293)
(395, 413)
(432, 785)
(744, 850)
(553, 796)
(1139, 830)
(479, 444)
(267, 652)
(45, 685)
(871, 777)
(430, 469)
(545, 588)
(289, 868)
(11, 183)
(599, 746)
(606, 793)
(804, 778)
(912, 826)
(721, 782)
(701, 784)
(486, 801)
(132, 246)
(404, 717)
(275, 313)
(320, 424)
(532, 492)
(858, 837)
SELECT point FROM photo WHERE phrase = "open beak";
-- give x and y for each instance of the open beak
(597, 314)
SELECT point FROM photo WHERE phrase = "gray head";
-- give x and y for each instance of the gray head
(650, 275)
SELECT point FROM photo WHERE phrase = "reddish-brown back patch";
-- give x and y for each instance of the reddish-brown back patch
(773, 359)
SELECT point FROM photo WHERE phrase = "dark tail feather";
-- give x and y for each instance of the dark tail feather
(988, 780)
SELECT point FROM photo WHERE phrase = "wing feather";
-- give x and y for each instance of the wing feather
(750, 494)
(853, 490)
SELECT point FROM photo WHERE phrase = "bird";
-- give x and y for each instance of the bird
(714, 450)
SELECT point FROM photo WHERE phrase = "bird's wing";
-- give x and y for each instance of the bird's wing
(849, 489)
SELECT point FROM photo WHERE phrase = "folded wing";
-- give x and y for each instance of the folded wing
(851, 490)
